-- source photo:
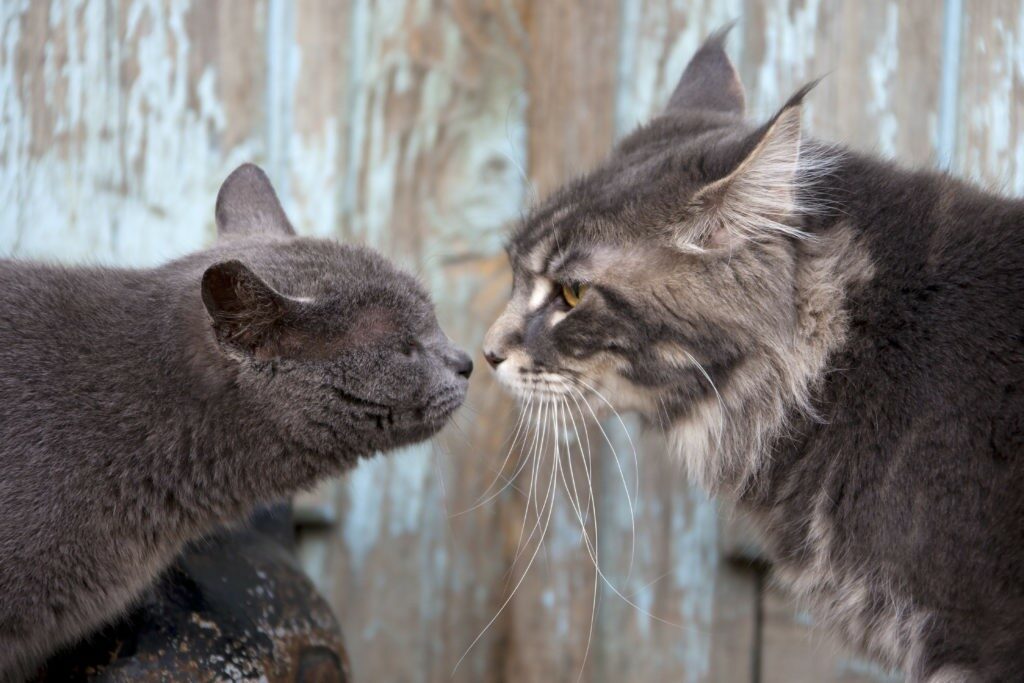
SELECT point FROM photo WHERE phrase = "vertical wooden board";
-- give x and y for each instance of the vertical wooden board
(991, 95)
(311, 53)
(672, 577)
(735, 634)
(410, 140)
(570, 52)
(658, 38)
(571, 55)
(116, 129)
(883, 69)
(880, 60)
(795, 651)
(656, 624)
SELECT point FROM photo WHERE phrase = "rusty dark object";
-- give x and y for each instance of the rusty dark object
(234, 607)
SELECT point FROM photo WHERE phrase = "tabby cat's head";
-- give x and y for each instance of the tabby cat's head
(666, 279)
(331, 343)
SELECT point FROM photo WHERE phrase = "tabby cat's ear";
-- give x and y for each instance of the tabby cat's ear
(710, 81)
(758, 198)
(247, 313)
(248, 205)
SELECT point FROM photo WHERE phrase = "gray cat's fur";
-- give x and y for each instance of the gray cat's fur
(833, 342)
(140, 408)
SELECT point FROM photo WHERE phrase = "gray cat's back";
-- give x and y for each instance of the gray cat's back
(140, 408)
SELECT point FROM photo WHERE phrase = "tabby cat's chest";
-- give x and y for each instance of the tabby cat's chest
(863, 602)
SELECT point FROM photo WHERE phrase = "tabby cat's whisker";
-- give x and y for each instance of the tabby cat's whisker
(574, 502)
(531, 459)
(584, 457)
(484, 497)
(618, 465)
(721, 404)
(522, 578)
(625, 430)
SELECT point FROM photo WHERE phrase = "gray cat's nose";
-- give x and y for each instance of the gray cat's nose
(462, 364)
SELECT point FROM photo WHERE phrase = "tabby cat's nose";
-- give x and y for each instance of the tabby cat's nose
(493, 359)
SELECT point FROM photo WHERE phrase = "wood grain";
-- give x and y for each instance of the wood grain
(879, 61)
(990, 145)
(795, 651)
(569, 50)
(120, 119)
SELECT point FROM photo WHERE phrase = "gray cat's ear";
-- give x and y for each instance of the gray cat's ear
(758, 197)
(246, 312)
(248, 205)
(710, 81)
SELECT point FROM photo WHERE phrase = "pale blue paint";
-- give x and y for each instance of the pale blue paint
(949, 85)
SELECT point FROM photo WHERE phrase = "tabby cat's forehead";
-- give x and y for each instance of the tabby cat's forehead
(641, 189)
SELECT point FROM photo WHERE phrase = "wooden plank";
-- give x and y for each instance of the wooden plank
(990, 143)
(880, 94)
(678, 577)
(795, 651)
(120, 119)
(570, 53)
(881, 65)
(735, 652)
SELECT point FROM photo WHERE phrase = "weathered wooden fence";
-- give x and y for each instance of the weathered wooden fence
(423, 128)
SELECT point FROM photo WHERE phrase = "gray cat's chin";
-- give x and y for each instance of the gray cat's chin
(429, 421)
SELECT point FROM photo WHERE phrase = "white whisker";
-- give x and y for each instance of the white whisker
(622, 474)
(484, 499)
(721, 404)
(515, 589)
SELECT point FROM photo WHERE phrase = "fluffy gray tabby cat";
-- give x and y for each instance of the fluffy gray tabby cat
(140, 408)
(833, 342)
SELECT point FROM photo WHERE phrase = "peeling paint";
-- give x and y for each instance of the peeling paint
(127, 173)
(882, 66)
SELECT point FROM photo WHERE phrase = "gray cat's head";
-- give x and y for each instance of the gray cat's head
(335, 345)
(666, 279)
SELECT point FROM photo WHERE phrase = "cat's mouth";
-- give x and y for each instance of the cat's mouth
(538, 383)
(441, 408)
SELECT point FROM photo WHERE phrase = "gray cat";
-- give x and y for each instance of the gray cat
(833, 342)
(140, 408)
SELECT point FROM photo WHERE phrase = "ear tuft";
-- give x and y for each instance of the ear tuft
(710, 81)
(244, 309)
(248, 205)
(759, 197)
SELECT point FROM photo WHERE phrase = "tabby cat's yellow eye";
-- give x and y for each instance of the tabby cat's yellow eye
(573, 293)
